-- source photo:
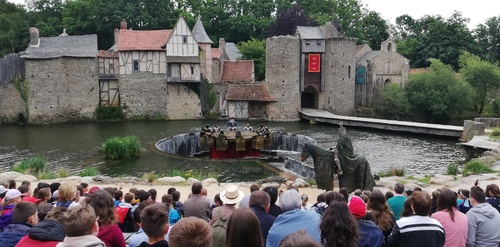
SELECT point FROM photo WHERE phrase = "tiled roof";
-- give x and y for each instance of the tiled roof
(135, 40)
(310, 32)
(248, 92)
(110, 54)
(63, 46)
(237, 71)
(418, 70)
(232, 51)
(216, 53)
(199, 33)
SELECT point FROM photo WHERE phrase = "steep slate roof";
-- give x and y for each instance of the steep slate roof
(143, 40)
(64, 46)
(232, 51)
(368, 56)
(309, 32)
(199, 33)
(248, 92)
(237, 71)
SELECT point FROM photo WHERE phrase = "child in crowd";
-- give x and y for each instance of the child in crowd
(81, 227)
(173, 214)
(155, 223)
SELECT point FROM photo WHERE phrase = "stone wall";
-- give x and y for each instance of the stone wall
(221, 90)
(11, 104)
(282, 77)
(489, 122)
(339, 65)
(145, 93)
(472, 128)
(62, 89)
(257, 109)
(216, 70)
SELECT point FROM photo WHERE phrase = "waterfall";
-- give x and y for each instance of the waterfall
(184, 145)
(289, 142)
(299, 168)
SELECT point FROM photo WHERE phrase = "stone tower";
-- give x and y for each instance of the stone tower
(205, 44)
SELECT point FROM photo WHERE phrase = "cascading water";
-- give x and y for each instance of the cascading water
(186, 145)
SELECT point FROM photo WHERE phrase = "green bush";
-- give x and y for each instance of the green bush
(33, 165)
(113, 112)
(46, 175)
(150, 176)
(393, 103)
(88, 172)
(392, 171)
(476, 167)
(495, 133)
(452, 169)
(496, 106)
(199, 175)
(62, 173)
(121, 147)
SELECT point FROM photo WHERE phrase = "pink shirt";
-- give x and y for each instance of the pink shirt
(455, 232)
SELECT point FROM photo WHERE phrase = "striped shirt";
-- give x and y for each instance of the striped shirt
(417, 231)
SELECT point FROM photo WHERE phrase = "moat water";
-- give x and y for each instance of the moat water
(74, 146)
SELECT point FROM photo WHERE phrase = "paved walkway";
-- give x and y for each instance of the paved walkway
(320, 116)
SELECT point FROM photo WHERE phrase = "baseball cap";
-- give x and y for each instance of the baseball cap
(13, 193)
(2, 189)
(357, 207)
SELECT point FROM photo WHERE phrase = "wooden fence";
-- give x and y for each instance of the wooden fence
(11, 66)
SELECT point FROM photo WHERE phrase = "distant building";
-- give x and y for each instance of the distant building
(375, 69)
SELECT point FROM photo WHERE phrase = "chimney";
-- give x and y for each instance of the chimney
(117, 34)
(222, 45)
(123, 24)
(34, 36)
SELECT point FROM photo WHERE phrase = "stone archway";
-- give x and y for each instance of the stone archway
(309, 98)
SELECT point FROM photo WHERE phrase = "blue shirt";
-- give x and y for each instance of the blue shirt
(396, 203)
(292, 221)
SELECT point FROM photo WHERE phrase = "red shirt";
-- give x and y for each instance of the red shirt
(112, 236)
(26, 241)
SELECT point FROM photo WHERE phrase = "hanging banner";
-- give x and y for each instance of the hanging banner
(314, 64)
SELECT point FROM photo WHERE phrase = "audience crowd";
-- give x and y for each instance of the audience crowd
(67, 215)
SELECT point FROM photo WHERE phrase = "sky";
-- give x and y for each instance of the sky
(477, 11)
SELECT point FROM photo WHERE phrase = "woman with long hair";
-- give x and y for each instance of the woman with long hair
(104, 207)
(493, 192)
(454, 222)
(243, 229)
(381, 212)
(338, 227)
(43, 207)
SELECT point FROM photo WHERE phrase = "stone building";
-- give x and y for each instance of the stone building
(62, 75)
(375, 69)
(314, 69)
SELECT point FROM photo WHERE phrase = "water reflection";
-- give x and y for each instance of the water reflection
(76, 145)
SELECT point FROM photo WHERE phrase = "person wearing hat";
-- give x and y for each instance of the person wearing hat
(3, 191)
(220, 215)
(369, 233)
(12, 197)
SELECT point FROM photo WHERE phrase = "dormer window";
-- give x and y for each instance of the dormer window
(184, 39)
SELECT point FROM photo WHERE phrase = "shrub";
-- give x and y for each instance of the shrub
(150, 176)
(112, 112)
(62, 173)
(475, 167)
(452, 169)
(495, 133)
(496, 106)
(393, 171)
(88, 172)
(121, 147)
(33, 165)
(199, 175)
(393, 103)
(46, 175)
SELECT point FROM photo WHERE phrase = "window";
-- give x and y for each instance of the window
(135, 65)
(111, 67)
(192, 69)
(184, 39)
(389, 47)
(349, 72)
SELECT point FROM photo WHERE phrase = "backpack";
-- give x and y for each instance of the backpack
(125, 219)
(220, 229)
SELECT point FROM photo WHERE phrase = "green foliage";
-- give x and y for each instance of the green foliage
(23, 87)
(488, 39)
(424, 180)
(495, 104)
(150, 176)
(255, 50)
(476, 167)
(199, 175)
(452, 169)
(88, 172)
(392, 171)
(438, 95)
(495, 133)
(121, 147)
(46, 175)
(393, 103)
(33, 165)
(483, 76)
(13, 28)
(112, 112)
(62, 173)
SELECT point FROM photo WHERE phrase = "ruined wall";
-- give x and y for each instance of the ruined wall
(62, 89)
(145, 93)
(282, 77)
(11, 104)
(257, 109)
(220, 89)
(216, 71)
(339, 65)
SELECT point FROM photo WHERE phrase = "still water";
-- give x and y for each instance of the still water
(74, 146)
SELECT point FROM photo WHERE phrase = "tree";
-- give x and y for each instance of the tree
(375, 29)
(393, 103)
(488, 37)
(46, 15)
(287, 21)
(483, 76)
(437, 95)
(255, 50)
(13, 28)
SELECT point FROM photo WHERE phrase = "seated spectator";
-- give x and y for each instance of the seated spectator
(171, 190)
(345, 193)
(338, 226)
(305, 204)
(333, 196)
(260, 203)
(173, 215)
(43, 207)
(81, 193)
(67, 193)
(465, 205)
(124, 213)
(246, 198)
(103, 205)
(178, 205)
(388, 195)
(320, 204)
(12, 184)
(243, 229)
(3, 191)
(143, 196)
(407, 210)
(217, 202)
(26, 190)
(154, 222)
(493, 192)
(369, 233)
(220, 216)
(409, 231)
(274, 209)
(192, 232)
(483, 221)
(454, 222)
(299, 239)
(47, 233)
(53, 188)
(396, 203)
(24, 216)
(12, 197)
(81, 227)
(293, 219)
(85, 187)
(140, 236)
(380, 212)
(153, 194)
(197, 206)
(118, 195)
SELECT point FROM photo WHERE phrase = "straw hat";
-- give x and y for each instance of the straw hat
(231, 195)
